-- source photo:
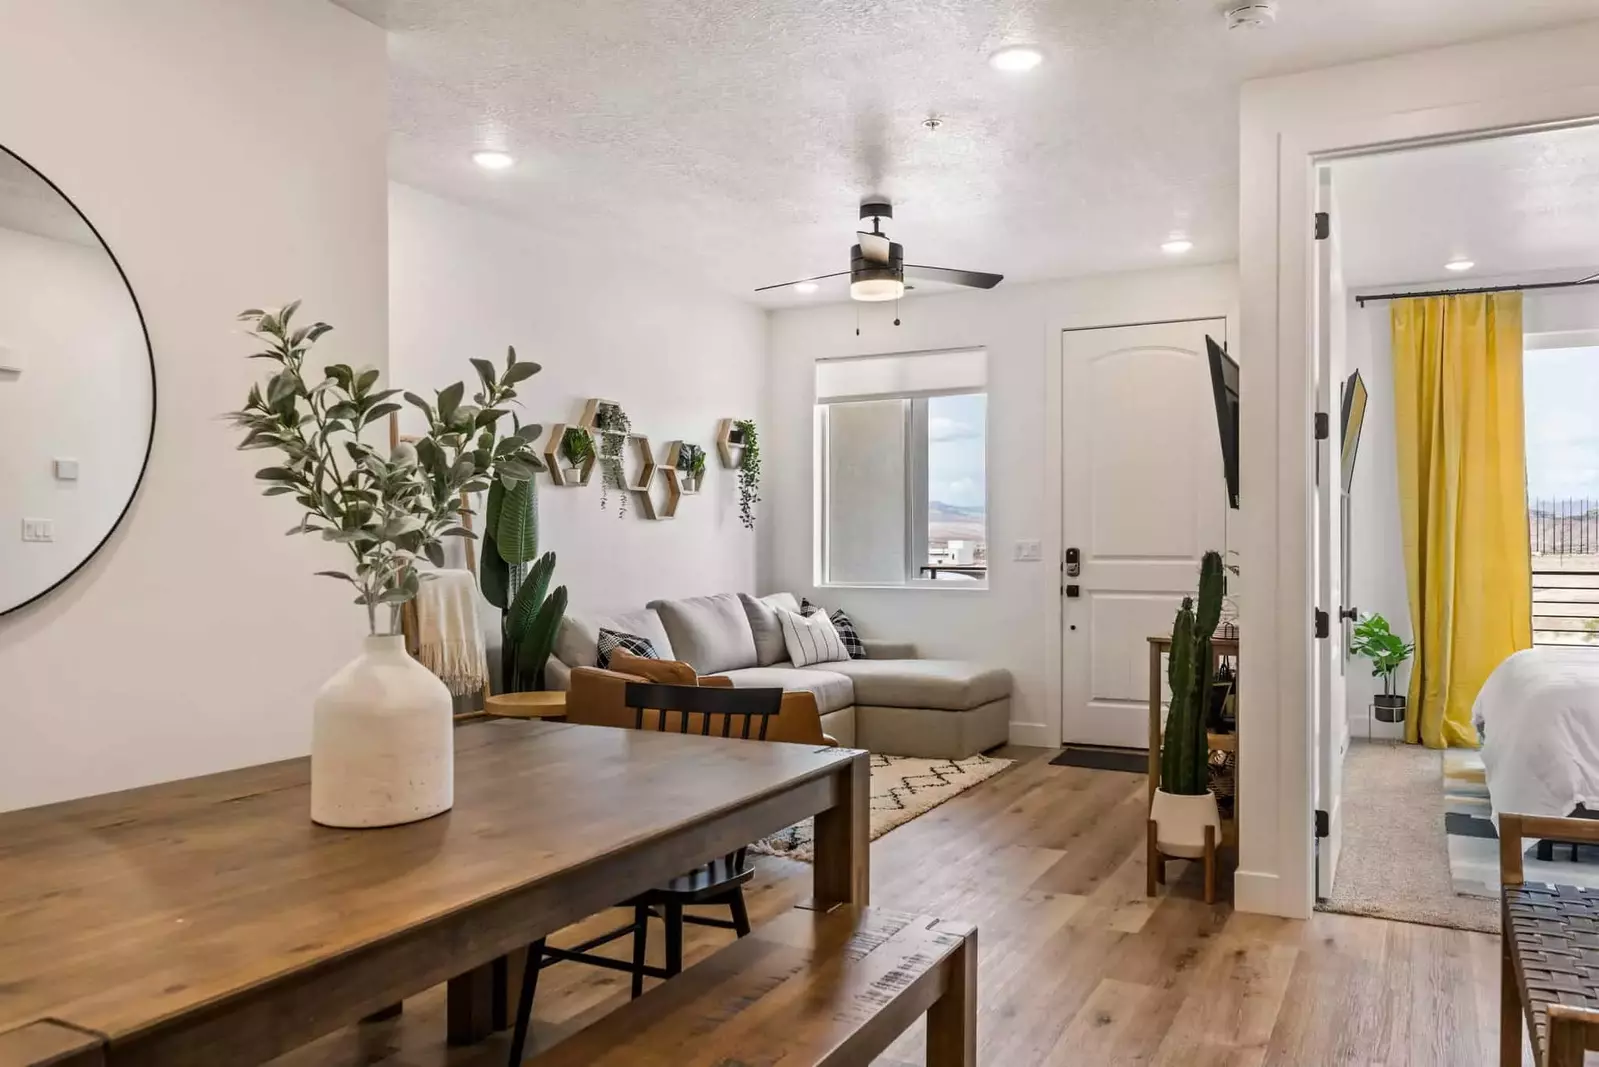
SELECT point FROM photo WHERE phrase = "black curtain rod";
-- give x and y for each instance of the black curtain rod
(1593, 280)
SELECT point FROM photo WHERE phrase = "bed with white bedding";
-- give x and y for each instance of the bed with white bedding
(1538, 714)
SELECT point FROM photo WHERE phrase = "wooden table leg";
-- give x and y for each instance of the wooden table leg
(475, 1003)
(841, 870)
(1509, 1006)
(952, 1020)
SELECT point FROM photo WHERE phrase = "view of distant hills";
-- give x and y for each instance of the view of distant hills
(953, 522)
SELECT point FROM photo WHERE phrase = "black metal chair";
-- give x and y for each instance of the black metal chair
(744, 714)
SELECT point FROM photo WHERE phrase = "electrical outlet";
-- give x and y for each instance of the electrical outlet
(1029, 551)
(38, 530)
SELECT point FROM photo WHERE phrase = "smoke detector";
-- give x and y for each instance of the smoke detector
(1251, 16)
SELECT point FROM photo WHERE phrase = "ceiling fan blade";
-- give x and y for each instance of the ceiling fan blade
(797, 281)
(874, 247)
(976, 279)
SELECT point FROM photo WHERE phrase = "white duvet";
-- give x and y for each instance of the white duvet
(1538, 714)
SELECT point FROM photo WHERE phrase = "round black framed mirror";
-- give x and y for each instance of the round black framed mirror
(77, 387)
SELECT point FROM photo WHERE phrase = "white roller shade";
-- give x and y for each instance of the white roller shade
(906, 375)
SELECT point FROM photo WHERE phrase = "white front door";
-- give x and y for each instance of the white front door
(1143, 496)
(1327, 659)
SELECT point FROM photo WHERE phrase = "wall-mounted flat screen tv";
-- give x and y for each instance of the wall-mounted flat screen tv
(1224, 386)
(1354, 418)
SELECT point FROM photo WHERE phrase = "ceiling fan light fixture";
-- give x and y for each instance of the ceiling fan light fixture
(1016, 58)
(874, 290)
(805, 288)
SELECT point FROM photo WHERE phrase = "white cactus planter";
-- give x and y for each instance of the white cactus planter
(382, 741)
(1180, 823)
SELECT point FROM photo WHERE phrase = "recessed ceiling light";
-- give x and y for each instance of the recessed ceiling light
(489, 159)
(1177, 246)
(805, 287)
(1458, 265)
(1016, 58)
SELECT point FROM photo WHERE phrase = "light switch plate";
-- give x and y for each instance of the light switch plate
(38, 530)
(66, 470)
(1029, 551)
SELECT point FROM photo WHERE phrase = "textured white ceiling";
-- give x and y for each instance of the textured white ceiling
(731, 142)
(29, 204)
(1513, 205)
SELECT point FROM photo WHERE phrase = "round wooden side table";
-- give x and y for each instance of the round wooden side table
(550, 705)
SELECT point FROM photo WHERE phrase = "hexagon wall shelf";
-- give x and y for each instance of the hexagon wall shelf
(560, 474)
(729, 450)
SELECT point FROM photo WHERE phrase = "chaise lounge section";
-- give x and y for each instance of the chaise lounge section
(890, 702)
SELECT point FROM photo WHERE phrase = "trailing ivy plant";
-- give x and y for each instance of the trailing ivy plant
(614, 426)
(391, 511)
(749, 472)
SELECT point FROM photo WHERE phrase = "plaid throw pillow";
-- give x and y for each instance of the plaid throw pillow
(611, 640)
(845, 627)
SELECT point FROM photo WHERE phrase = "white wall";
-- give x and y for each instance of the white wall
(464, 283)
(232, 154)
(1015, 623)
(1378, 560)
(1285, 124)
(84, 394)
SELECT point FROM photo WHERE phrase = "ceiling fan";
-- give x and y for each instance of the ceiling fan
(877, 267)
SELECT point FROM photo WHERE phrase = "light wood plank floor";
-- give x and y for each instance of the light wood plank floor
(1077, 966)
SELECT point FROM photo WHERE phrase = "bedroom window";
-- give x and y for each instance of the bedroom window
(1563, 493)
(902, 469)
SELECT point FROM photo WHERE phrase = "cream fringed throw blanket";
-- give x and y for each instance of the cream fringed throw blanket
(449, 639)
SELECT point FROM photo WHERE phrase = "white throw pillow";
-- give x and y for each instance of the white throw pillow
(811, 640)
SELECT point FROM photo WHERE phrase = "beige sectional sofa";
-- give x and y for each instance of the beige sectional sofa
(891, 702)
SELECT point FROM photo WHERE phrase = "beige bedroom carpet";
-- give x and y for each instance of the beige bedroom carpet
(903, 787)
(1395, 860)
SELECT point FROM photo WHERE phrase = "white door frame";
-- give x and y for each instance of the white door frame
(1288, 125)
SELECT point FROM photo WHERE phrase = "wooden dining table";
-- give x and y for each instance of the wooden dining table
(209, 921)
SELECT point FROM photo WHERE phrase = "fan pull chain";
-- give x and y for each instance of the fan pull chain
(896, 311)
(857, 320)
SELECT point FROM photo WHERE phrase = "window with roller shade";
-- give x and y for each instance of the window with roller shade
(902, 469)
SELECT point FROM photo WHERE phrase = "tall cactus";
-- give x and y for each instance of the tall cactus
(1185, 749)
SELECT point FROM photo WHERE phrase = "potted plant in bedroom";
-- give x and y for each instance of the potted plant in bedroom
(1375, 640)
(1184, 807)
(382, 750)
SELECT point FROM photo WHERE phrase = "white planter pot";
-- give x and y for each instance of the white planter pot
(382, 741)
(1180, 823)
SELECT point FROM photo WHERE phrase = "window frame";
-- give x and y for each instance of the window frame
(915, 468)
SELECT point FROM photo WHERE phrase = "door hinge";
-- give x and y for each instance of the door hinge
(1323, 426)
(1323, 624)
(1323, 225)
(1323, 824)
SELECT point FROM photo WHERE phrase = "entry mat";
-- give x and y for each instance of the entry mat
(1131, 760)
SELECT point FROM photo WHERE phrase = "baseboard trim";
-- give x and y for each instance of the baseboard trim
(1033, 735)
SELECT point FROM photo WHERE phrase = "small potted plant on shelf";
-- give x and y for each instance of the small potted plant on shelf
(577, 448)
(1184, 805)
(1375, 639)
(691, 462)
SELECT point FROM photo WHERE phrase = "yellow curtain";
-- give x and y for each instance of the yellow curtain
(1463, 501)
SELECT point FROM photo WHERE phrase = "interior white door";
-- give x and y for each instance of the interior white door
(1331, 727)
(1143, 496)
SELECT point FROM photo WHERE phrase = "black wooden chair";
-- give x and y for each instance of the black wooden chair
(744, 714)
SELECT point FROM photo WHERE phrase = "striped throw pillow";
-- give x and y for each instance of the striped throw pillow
(811, 640)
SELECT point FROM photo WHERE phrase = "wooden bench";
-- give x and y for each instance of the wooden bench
(833, 990)
(1549, 951)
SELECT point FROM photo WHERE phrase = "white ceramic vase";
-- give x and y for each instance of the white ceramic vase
(1180, 823)
(382, 741)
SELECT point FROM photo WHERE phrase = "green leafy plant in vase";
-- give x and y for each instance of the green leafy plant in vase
(382, 727)
(1184, 805)
(1375, 640)
(691, 463)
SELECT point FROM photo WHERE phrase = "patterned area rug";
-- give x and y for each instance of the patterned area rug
(903, 787)
(1474, 841)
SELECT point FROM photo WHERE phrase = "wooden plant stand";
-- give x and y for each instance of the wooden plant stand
(1156, 875)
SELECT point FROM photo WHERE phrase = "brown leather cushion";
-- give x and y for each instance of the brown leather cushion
(663, 671)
